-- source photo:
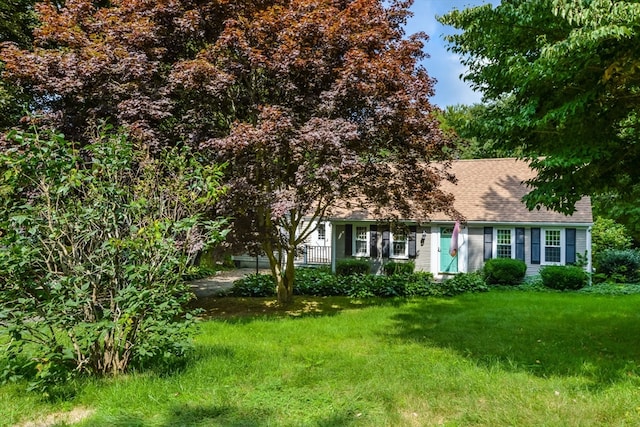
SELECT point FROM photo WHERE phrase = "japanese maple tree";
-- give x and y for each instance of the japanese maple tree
(329, 104)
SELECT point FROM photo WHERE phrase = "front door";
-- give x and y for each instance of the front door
(448, 264)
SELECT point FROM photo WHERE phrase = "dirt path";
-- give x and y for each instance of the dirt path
(223, 280)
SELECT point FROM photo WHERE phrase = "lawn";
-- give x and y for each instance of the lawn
(503, 358)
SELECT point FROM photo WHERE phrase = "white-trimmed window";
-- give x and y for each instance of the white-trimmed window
(322, 231)
(504, 239)
(553, 246)
(399, 244)
(361, 241)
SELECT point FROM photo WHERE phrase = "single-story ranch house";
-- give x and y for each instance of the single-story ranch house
(498, 225)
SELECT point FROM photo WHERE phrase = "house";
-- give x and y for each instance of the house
(498, 225)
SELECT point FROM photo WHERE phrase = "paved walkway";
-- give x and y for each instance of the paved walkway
(223, 280)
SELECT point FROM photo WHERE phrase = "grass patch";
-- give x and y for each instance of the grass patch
(494, 359)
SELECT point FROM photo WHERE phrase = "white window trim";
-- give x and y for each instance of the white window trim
(322, 226)
(543, 245)
(355, 238)
(404, 255)
(495, 241)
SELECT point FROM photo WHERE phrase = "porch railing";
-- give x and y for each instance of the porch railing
(315, 255)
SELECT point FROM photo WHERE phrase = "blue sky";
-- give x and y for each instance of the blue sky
(443, 65)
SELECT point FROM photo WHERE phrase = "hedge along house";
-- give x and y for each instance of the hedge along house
(498, 225)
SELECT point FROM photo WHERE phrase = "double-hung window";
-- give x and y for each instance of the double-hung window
(553, 244)
(504, 239)
(361, 241)
(399, 245)
(322, 231)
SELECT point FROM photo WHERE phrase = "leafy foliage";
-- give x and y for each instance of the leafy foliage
(561, 79)
(351, 266)
(607, 234)
(93, 248)
(504, 271)
(609, 288)
(309, 102)
(564, 277)
(393, 267)
(253, 285)
(319, 282)
(463, 283)
(618, 266)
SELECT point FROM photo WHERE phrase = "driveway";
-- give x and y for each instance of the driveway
(223, 280)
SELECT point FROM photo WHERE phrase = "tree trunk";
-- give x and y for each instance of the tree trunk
(285, 281)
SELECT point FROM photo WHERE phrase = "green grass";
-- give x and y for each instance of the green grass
(495, 359)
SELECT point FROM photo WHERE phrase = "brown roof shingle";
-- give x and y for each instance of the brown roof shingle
(491, 190)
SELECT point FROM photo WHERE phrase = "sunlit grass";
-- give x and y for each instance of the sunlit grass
(494, 359)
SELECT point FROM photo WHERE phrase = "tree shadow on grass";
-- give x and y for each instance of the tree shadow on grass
(542, 335)
(228, 416)
(247, 309)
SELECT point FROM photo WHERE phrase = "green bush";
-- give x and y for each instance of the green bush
(420, 283)
(254, 285)
(95, 243)
(317, 282)
(607, 234)
(463, 283)
(352, 266)
(504, 271)
(618, 266)
(393, 267)
(564, 277)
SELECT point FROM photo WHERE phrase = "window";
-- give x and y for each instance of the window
(361, 241)
(552, 246)
(399, 245)
(504, 243)
(322, 231)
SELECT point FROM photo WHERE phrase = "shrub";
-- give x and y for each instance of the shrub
(254, 285)
(393, 267)
(619, 266)
(608, 234)
(351, 266)
(564, 277)
(462, 283)
(420, 283)
(317, 282)
(95, 243)
(358, 285)
(504, 271)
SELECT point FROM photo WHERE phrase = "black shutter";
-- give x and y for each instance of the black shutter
(520, 244)
(385, 243)
(348, 240)
(412, 241)
(488, 243)
(373, 241)
(570, 246)
(535, 246)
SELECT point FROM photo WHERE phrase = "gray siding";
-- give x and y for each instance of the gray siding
(423, 250)
(475, 249)
(476, 244)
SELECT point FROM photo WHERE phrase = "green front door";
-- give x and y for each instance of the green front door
(448, 264)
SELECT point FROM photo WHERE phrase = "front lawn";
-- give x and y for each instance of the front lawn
(492, 359)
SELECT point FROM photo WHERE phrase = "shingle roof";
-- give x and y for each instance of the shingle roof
(491, 190)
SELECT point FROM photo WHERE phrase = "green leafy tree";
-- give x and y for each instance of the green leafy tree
(607, 234)
(93, 246)
(473, 138)
(562, 82)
